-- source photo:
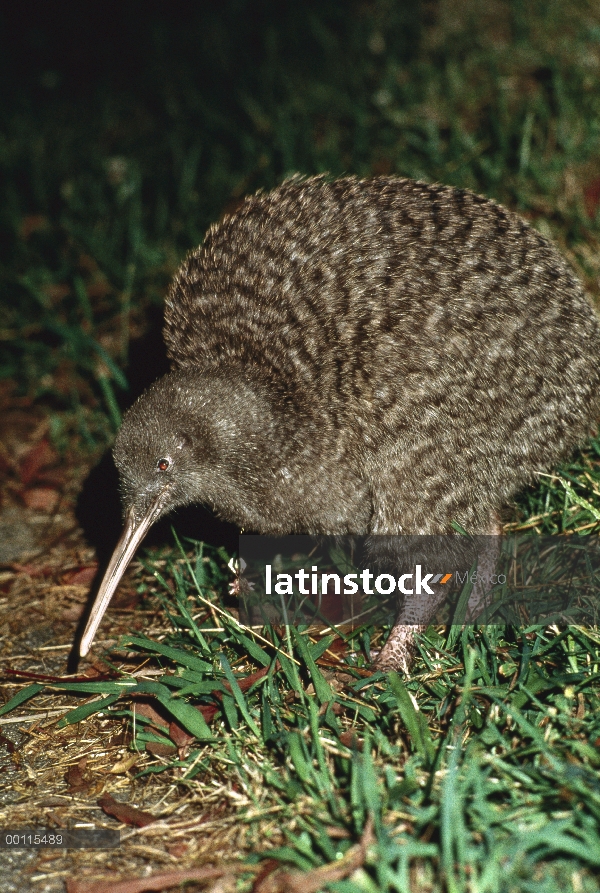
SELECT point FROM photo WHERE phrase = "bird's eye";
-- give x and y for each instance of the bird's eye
(163, 464)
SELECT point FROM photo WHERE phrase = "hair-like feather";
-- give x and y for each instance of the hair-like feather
(366, 356)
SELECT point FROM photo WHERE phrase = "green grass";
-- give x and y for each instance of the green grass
(479, 773)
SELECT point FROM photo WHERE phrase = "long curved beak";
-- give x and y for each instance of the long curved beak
(134, 532)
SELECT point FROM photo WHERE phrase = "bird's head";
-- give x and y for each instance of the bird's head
(188, 439)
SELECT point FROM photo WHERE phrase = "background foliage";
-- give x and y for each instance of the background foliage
(127, 128)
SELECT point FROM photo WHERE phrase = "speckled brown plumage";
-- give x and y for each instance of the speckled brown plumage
(365, 356)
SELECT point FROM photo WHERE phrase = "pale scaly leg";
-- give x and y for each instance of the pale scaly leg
(417, 612)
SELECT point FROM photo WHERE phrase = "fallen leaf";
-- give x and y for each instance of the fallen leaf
(80, 576)
(119, 738)
(145, 708)
(123, 812)
(126, 599)
(350, 739)
(154, 884)
(162, 723)
(208, 712)
(41, 499)
(330, 606)
(160, 749)
(247, 681)
(338, 646)
(268, 867)
(179, 736)
(41, 456)
(75, 778)
(158, 722)
(33, 570)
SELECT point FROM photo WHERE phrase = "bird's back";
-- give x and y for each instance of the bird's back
(419, 320)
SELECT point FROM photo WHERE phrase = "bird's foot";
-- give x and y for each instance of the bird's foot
(398, 653)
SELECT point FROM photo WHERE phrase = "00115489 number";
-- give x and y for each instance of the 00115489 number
(33, 839)
(77, 838)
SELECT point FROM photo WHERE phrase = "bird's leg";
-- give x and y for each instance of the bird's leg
(487, 561)
(399, 651)
(416, 613)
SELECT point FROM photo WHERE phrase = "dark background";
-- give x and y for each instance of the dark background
(126, 128)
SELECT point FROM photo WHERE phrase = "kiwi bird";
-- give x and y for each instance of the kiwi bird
(360, 356)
